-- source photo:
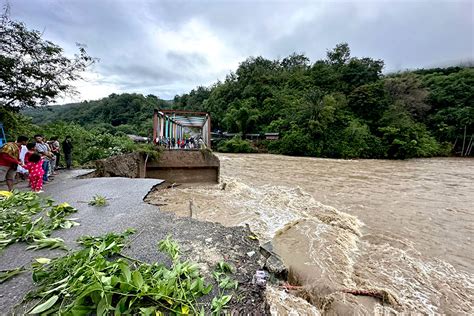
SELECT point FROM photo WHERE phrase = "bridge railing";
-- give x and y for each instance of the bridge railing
(169, 125)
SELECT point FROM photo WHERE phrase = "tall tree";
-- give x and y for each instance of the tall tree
(34, 71)
(408, 89)
(242, 116)
(339, 55)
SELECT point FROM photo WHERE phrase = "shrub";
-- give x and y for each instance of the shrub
(236, 145)
(295, 143)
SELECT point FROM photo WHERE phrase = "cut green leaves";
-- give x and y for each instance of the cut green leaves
(28, 217)
(170, 247)
(219, 303)
(50, 243)
(98, 279)
(223, 276)
(6, 275)
(45, 306)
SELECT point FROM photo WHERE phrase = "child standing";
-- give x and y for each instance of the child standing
(35, 170)
(25, 154)
(31, 150)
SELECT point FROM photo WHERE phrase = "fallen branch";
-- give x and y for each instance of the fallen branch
(382, 294)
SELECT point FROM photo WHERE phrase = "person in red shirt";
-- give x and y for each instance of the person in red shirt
(35, 172)
(10, 159)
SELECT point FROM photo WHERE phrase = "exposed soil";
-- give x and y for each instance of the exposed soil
(127, 165)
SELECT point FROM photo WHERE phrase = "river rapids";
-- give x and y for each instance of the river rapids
(401, 230)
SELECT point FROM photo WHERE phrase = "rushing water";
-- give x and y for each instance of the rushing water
(400, 228)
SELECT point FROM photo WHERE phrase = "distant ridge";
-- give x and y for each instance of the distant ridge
(128, 112)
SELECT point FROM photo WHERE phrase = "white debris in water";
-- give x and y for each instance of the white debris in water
(282, 303)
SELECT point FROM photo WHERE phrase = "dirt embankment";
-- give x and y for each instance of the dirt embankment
(127, 165)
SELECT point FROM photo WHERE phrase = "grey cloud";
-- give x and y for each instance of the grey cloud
(187, 60)
(134, 75)
(405, 34)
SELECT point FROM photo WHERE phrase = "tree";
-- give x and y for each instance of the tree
(295, 61)
(296, 142)
(242, 116)
(360, 71)
(320, 112)
(357, 141)
(340, 55)
(403, 137)
(452, 98)
(353, 71)
(369, 102)
(33, 70)
(408, 89)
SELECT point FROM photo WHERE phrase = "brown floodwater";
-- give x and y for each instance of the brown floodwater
(399, 227)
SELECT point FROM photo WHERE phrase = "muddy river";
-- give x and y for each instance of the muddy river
(401, 230)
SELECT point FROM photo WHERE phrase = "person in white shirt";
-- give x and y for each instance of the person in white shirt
(22, 171)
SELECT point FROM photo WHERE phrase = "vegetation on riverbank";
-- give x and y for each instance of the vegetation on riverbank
(89, 144)
(117, 114)
(236, 145)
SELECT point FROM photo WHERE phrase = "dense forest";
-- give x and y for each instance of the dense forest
(341, 107)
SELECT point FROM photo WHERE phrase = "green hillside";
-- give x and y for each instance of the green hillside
(127, 113)
(343, 106)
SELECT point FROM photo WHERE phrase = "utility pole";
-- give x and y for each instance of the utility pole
(463, 141)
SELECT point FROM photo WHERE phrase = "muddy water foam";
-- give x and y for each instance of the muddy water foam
(414, 249)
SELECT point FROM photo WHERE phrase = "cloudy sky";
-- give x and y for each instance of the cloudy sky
(169, 47)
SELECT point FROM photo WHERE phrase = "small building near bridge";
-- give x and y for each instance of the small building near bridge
(250, 137)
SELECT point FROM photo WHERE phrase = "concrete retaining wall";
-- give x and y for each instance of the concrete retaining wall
(185, 166)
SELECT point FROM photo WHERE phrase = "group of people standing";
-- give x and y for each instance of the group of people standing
(185, 143)
(36, 160)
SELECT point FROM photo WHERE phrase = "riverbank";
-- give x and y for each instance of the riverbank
(202, 242)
